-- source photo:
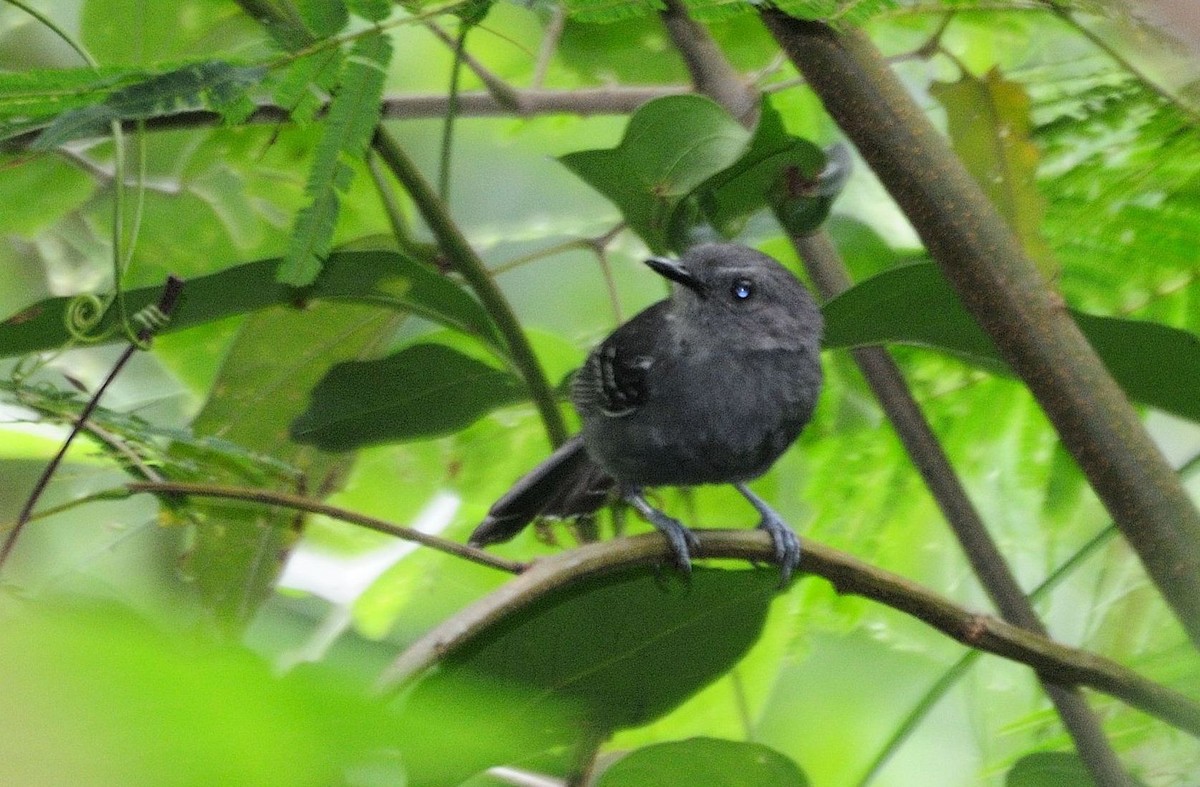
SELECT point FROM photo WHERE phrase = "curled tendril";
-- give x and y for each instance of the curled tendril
(83, 314)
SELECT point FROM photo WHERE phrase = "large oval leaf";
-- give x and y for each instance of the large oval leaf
(608, 653)
(384, 278)
(670, 147)
(422, 391)
(1155, 364)
(708, 761)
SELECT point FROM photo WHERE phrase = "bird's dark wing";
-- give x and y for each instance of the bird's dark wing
(613, 379)
(567, 484)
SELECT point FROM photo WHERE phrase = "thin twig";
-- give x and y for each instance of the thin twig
(551, 37)
(500, 90)
(585, 102)
(166, 305)
(272, 498)
(118, 445)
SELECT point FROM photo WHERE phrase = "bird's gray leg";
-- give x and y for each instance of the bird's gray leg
(681, 540)
(787, 544)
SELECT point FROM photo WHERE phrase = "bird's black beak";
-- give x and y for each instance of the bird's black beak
(673, 270)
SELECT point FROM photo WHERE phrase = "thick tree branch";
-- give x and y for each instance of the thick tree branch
(712, 74)
(1053, 661)
(1002, 289)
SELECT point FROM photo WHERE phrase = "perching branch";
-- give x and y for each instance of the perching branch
(1053, 661)
(467, 262)
(848, 575)
(1004, 292)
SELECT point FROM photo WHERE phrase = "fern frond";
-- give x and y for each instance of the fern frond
(353, 116)
(213, 84)
(307, 84)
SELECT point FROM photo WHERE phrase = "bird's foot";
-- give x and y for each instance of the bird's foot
(787, 545)
(783, 538)
(681, 540)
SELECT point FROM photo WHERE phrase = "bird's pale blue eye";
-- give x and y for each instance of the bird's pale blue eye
(742, 289)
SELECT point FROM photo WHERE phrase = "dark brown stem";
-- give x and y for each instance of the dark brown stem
(888, 384)
(712, 74)
(295, 502)
(1004, 292)
(467, 262)
(166, 305)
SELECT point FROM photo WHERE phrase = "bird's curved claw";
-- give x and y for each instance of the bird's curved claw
(682, 541)
(786, 543)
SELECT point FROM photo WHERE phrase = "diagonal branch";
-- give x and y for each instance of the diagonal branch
(1004, 292)
(267, 497)
(467, 262)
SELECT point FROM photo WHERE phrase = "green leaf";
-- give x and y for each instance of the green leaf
(238, 549)
(353, 116)
(371, 10)
(28, 99)
(776, 167)
(383, 278)
(990, 127)
(708, 761)
(685, 163)
(610, 10)
(303, 86)
(612, 652)
(422, 391)
(324, 18)
(215, 84)
(1155, 364)
(1049, 769)
(670, 147)
(282, 22)
(142, 706)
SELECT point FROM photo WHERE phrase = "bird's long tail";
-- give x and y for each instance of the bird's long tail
(567, 484)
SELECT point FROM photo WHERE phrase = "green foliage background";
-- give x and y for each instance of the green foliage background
(1081, 126)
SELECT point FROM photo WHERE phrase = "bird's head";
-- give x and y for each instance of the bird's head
(723, 286)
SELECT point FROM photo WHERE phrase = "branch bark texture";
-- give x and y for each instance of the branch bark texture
(1002, 289)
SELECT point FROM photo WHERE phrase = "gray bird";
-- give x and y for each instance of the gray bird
(708, 386)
